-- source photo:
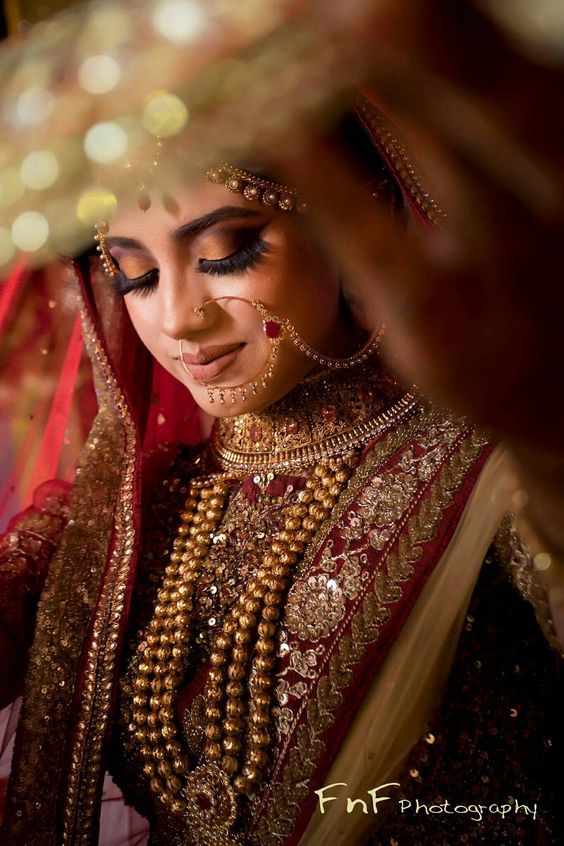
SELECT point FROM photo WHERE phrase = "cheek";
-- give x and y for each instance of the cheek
(304, 289)
(144, 325)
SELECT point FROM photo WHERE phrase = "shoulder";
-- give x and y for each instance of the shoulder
(430, 438)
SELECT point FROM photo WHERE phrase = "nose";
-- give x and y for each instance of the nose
(181, 299)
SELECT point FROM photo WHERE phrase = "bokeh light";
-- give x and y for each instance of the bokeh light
(99, 74)
(34, 106)
(180, 21)
(105, 142)
(40, 170)
(94, 204)
(164, 115)
(30, 231)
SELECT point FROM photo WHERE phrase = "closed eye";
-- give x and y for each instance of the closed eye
(141, 285)
(235, 262)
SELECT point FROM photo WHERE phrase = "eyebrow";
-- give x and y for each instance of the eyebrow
(193, 227)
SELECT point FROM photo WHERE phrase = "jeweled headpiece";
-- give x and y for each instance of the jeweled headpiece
(253, 188)
(257, 188)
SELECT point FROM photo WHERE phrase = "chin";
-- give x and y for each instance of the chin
(281, 384)
(253, 404)
(234, 409)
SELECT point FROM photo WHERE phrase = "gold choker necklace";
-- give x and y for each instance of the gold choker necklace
(324, 416)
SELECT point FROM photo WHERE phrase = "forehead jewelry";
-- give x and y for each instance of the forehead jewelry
(235, 179)
(256, 188)
(276, 328)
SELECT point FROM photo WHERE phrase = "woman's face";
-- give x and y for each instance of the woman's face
(216, 244)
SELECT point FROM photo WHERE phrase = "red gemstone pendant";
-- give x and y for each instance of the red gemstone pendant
(271, 328)
(203, 801)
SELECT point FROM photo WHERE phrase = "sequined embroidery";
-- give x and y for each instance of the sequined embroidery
(495, 739)
(359, 597)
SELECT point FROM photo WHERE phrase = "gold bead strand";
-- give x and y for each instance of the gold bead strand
(214, 691)
(314, 504)
(265, 590)
(239, 690)
(150, 670)
(161, 670)
(235, 687)
(230, 653)
(208, 516)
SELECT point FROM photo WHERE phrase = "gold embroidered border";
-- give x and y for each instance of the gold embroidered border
(86, 754)
(64, 612)
(517, 560)
(288, 794)
(402, 434)
(400, 158)
(394, 441)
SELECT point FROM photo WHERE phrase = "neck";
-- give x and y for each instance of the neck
(319, 416)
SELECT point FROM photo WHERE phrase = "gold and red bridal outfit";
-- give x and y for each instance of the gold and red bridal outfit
(407, 651)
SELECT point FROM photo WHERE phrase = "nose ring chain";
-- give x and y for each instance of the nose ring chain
(275, 329)
(273, 332)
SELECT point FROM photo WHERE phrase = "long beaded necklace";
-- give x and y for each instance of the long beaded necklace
(239, 690)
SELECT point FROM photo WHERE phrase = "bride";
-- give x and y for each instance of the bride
(313, 606)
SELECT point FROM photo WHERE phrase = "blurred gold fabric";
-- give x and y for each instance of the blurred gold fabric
(16, 11)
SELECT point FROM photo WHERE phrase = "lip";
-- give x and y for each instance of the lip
(211, 361)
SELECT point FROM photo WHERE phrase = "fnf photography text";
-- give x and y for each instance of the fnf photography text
(474, 811)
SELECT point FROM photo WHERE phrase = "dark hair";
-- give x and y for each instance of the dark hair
(351, 136)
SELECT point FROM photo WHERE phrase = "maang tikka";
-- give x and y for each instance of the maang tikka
(276, 328)
(253, 188)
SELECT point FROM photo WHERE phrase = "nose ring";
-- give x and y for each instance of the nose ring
(273, 331)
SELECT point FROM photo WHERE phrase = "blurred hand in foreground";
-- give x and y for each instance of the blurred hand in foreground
(474, 310)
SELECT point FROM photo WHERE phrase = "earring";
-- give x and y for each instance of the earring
(108, 262)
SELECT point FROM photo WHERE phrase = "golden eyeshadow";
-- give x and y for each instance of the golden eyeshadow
(134, 266)
(209, 246)
(219, 246)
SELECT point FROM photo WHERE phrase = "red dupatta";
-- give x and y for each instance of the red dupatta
(74, 660)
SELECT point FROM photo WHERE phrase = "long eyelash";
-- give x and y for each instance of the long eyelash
(239, 260)
(141, 285)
